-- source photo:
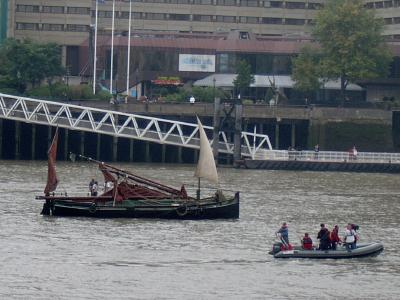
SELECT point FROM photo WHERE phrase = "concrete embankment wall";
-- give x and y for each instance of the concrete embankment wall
(335, 129)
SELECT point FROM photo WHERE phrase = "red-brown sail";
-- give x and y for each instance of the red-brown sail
(52, 180)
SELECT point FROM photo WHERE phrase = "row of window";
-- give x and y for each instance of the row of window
(383, 4)
(53, 27)
(207, 18)
(53, 9)
(245, 3)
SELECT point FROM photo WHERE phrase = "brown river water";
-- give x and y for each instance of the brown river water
(81, 258)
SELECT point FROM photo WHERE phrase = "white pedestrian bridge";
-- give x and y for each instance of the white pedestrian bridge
(120, 124)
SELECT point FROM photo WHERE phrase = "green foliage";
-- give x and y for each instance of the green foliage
(26, 62)
(352, 45)
(306, 71)
(201, 94)
(244, 78)
(103, 95)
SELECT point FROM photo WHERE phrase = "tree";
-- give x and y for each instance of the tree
(244, 77)
(306, 72)
(351, 44)
(24, 62)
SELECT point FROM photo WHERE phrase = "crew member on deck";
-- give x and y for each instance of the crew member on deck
(306, 242)
(284, 234)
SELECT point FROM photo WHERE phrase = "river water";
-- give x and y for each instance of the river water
(80, 258)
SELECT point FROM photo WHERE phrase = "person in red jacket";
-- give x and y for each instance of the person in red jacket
(335, 239)
(306, 242)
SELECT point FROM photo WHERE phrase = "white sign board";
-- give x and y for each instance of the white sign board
(196, 63)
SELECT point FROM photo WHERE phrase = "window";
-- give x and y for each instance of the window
(388, 21)
(226, 2)
(77, 28)
(272, 20)
(28, 8)
(179, 17)
(78, 10)
(276, 4)
(155, 16)
(250, 20)
(202, 18)
(226, 19)
(52, 27)
(180, 1)
(294, 21)
(105, 14)
(295, 5)
(250, 3)
(27, 26)
(315, 6)
(203, 2)
(53, 9)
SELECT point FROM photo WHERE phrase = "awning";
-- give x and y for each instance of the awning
(263, 81)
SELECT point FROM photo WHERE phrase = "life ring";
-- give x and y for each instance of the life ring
(182, 210)
(93, 208)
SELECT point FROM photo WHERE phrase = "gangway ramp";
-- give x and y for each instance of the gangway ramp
(120, 124)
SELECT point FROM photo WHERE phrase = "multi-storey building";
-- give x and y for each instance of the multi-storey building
(70, 22)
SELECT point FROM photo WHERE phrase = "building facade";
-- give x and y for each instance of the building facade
(164, 29)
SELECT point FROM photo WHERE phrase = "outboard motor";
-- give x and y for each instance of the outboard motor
(277, 247)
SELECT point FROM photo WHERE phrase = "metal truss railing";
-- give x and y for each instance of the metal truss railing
(121, 124)
(329, 156)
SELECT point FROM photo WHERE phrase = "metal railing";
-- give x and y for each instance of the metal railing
(119, 124)
(328, 156)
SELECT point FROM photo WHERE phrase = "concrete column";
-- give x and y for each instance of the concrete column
(293, 135)
(1, 138)
(98, 146)
(49, 137)
(277, 136)
(237, 141)
(33, 144)
(17, 140)
(82, 143)
(179, 152)
(66, 137)
(216, 121)
(196, 157)
(115, 149)
(131, 150)
(147, 152)
(163, 149)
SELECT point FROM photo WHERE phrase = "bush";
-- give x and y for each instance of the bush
(40, 92)
(8, 90)
(103, 95)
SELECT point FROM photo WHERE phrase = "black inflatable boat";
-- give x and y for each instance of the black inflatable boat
(362, 250)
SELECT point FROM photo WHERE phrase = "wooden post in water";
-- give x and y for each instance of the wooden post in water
(216, 121)
(277, 135)
(237, 140)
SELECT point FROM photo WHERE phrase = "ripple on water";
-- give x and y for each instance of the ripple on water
(47, 257)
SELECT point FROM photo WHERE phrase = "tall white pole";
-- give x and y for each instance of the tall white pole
(129, 49)
(95, 49)
(112, 48)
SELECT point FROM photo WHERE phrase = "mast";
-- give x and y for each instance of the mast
(112, 48)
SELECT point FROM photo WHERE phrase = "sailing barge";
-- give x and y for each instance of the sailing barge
(133, 196)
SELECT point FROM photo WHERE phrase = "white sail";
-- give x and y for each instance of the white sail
(206, 167)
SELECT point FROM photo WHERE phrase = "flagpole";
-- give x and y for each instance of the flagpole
(129, 49)
(112, 48)
(95, 49)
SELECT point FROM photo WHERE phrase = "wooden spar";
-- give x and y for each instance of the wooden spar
(136, 177)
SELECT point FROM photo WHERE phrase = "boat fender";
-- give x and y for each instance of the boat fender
(93, 208)
(182, 210)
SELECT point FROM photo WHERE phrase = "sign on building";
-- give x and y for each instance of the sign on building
(196, 63)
